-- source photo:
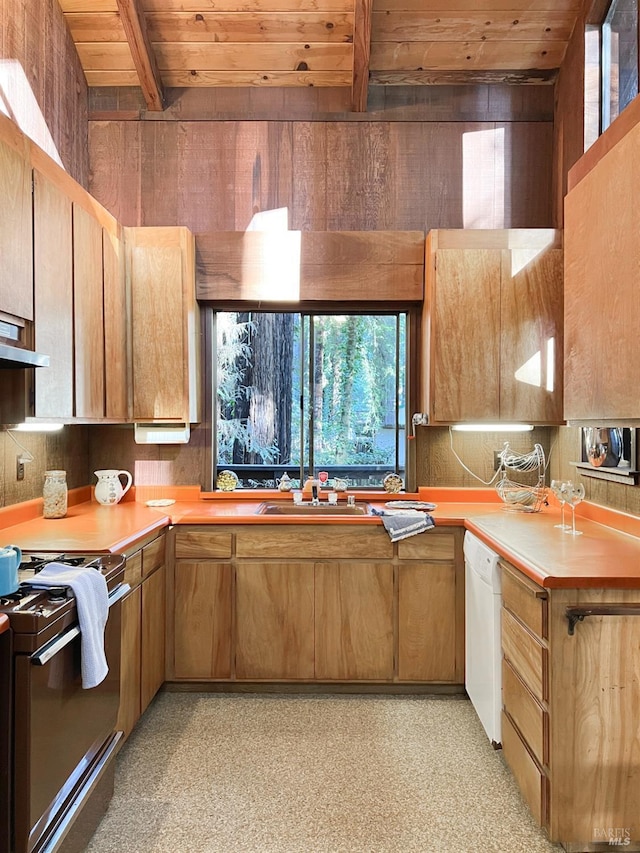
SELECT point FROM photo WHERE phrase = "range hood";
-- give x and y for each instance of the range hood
(12, 357)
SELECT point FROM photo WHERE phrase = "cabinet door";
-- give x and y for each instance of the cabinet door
(165, 324)
(354, 621)
(202, 619)
(130, 708)
(427, 624)
(464, 306)
(88, 315)
(531, 336)
(16, 242)
(601, 316)
(274, 620)
(53, 293)
(115, 328)
(153, 636)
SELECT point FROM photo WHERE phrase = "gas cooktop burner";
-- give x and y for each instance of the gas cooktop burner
(29, 606)
(36, 562)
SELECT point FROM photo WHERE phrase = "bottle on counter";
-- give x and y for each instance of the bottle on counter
(54, 494)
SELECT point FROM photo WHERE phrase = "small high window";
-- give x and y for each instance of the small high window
(611, 66)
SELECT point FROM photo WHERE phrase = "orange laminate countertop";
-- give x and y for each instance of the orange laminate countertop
(601, 557)
(604, 556)
(88, 528)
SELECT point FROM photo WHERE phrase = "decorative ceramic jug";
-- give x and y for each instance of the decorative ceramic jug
(284, 484)
(109, 490)
(10, 558)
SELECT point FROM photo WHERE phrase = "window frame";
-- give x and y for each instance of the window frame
(597, 101)
(411, 365)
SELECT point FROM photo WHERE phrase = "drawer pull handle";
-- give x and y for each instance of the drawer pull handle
(578, 614)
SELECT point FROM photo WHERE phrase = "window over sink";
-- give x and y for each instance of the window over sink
(300, 392)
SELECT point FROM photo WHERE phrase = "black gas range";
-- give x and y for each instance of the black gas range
(62, 737)
(45, 612)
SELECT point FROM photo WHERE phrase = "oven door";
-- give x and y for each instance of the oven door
(63, 734)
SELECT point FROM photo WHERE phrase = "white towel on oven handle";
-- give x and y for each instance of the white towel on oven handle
(92, 601)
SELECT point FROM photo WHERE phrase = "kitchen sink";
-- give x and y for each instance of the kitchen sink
(306, 508)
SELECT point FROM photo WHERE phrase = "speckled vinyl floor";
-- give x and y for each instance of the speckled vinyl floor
(248, 773)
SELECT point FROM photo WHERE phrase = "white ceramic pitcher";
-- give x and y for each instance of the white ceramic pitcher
(109, 489)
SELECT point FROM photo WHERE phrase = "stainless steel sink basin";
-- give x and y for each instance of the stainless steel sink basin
(306, 508)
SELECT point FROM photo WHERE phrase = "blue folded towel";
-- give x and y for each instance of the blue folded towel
(401, 524)
(92, 601)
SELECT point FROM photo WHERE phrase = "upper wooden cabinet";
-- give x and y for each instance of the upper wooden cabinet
(602, 309)
(53, 295)
(311, 266)
(164, 324)
(117, 403)
(89, 315)
(492, 326)
(16, 246)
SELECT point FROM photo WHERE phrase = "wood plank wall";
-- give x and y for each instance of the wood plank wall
(458, 159)
(42, 85)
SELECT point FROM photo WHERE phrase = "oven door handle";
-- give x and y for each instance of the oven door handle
(50, 649)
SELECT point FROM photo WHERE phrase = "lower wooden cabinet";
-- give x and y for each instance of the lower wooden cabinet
(531, 779)
(570, 710)
(274, 620)
(354, 621)
(130, 662)
(142, 663)
(153, 636)
(201, 620)
(248, 605)
(429, 622)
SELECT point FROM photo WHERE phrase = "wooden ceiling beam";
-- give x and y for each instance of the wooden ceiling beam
(361, 54)
(142, 52)
(435, 77)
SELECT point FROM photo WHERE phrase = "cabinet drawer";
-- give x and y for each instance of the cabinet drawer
(313, 541)
(526, 654)
(526, 599)
(432, 546)
(153, 556)
(530, 778)
(202, 542)
(527, 714)
(133, 569)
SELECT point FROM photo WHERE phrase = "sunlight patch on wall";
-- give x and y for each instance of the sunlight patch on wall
(271, 258)
(522, 257)
(532, 371)
(18, 102)
(483, 178)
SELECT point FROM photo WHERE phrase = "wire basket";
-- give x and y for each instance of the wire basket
(522, 497)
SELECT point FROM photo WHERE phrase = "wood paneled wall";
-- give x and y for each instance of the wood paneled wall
(421, 158)
(390, 173)
(42, 85)
(569, 115)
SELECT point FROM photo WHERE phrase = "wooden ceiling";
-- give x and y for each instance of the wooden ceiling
(176, 43)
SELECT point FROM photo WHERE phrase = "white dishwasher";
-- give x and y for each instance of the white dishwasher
(483, 664)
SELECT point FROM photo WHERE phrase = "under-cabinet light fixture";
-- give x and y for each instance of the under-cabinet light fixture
(37, 427)
(492, 427)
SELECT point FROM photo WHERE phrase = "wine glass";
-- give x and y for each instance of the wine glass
(575, 494)
(559, 489)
